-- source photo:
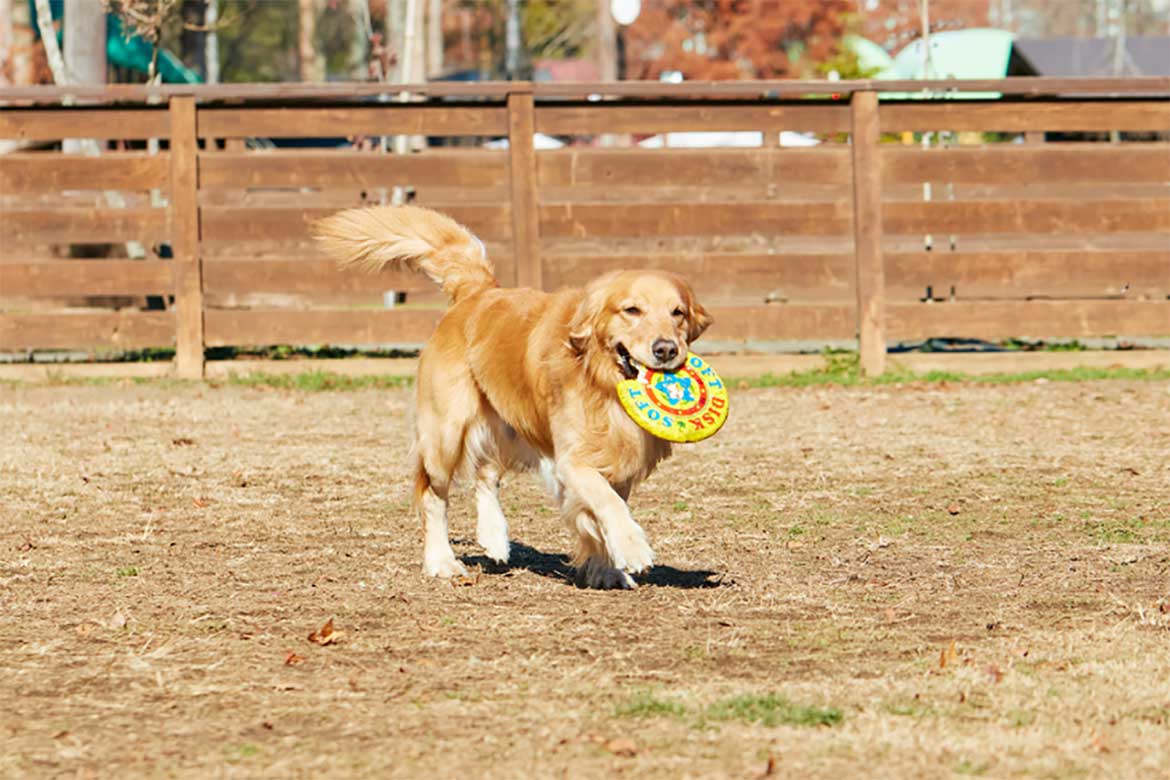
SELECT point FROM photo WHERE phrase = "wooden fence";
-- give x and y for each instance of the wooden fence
(872, 234)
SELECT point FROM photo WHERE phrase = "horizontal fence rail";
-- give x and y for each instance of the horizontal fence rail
(1015, 217)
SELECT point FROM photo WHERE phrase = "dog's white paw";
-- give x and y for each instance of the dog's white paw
(496, 546)
(596, 574)
(630, 550)
(445, 567)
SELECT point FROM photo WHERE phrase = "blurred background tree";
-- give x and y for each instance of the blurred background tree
(734, 39)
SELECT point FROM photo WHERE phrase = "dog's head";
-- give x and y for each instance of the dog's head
(629, 319)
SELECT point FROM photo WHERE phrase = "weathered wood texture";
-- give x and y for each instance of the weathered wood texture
(24, 174)
(376, 120)
(522, 178)
(351, 170)
(90, 330)
(47, 124)
(595, 118)
(188, 261)
(85, 278)
(1014, 165)
(989, 116)
(228, 327)
(995, 320)
(82, 225)
(868, 266)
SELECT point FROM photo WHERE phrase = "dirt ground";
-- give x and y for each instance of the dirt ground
(923, 581)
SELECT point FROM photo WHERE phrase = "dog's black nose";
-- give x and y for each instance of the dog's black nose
(664, 350)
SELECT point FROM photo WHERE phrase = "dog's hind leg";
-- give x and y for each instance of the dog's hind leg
(444, 419)
(491, 527)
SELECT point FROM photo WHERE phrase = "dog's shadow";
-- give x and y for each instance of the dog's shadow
(556, 566)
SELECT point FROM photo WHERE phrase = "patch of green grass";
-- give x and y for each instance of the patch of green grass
(646, 705)
(319, 381)
(680, 506)
(969, 767)
(244, 750)
(772, 710)
(1020, 718)
(128, 571)
(844, 370)
(908, 709)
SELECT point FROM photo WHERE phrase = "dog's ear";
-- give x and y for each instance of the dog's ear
(586, 318)
(698, 321)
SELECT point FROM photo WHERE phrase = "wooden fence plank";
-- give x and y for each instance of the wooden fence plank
(50, 124)
(90, 330)
(645, 168)
(303, 277)
(1030, 273)
(995, 320)
(85, 277)
(240, 327)
(1011, 164)
(867, 233)
(582, 220)
(24, 174)
(227, 223)
(783, 322)
(188, 260)
(626, 117)
(1018, 117)
(375, 119)
(352, 170)
(1028, 216)
(522, 175)
(722, 277)
(82, 225)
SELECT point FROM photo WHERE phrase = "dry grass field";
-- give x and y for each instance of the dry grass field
(918, 580)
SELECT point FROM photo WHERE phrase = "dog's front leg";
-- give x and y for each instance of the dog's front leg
(624, 539)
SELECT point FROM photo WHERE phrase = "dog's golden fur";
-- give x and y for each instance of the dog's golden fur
(515, 378)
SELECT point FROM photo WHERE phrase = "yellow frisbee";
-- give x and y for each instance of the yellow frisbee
(686, 405)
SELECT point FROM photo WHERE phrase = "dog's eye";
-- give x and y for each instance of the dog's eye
(678, 312)
(633, 311)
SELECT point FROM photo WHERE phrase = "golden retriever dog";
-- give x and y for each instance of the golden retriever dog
(513, 379)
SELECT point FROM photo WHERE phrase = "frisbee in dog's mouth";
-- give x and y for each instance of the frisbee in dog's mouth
(684, 405)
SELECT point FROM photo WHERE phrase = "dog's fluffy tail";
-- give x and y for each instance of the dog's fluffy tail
(409, 237)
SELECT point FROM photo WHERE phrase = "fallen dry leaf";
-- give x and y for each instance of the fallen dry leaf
(947, 655)
(622, 747)
(199, 502)
(325, 635)
(292, 659)
(995, 673)
(953, 508)
(182, 441)
(118, 620)
(466, 582)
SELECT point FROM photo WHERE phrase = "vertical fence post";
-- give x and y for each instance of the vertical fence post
(525, 209)
(188, 261)
(867, 232)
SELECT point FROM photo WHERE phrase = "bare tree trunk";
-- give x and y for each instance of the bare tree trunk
(512, 41)
(211, 43)
(435, 39)
(311, 65)
(359, 50)
(49, 41)
(6, 39)
(192, 40)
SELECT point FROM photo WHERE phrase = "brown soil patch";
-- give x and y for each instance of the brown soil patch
(977, 579)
